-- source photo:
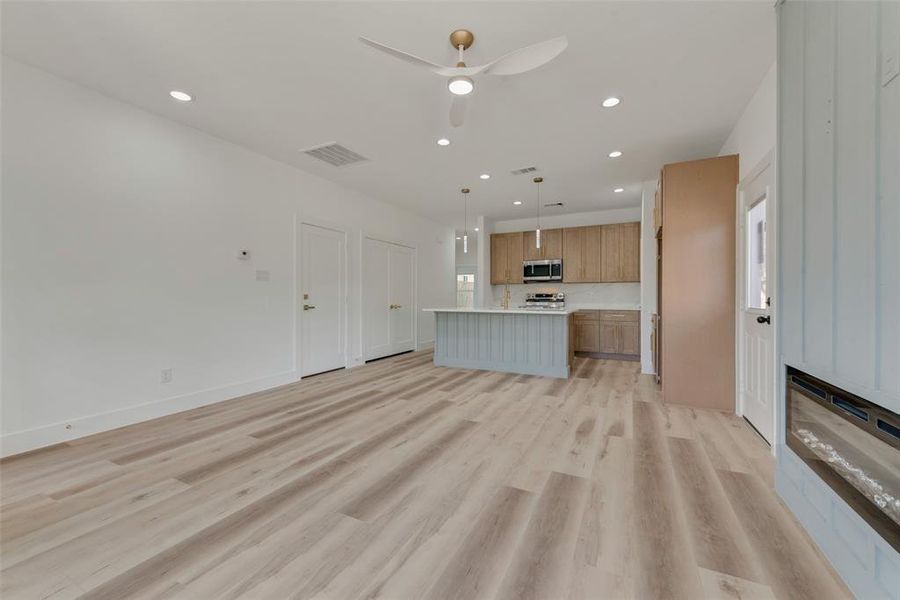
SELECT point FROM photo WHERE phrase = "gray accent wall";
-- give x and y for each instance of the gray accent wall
(837, 311)
(534, 344)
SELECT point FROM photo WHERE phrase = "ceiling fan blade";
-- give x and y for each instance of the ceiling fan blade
(528, 58)
(406, 57)
(458, 111)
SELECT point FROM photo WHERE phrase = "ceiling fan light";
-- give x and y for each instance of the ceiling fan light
(460, 85)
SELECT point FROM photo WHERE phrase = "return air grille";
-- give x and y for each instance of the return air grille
(523, 170)
(335, 154)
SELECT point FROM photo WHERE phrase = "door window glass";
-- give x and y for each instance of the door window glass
(756, 255)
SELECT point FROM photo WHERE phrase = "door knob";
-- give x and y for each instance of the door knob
(308, 307)
(766, 319)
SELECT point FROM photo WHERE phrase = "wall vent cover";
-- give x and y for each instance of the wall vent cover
(335, 154)
(523, 170)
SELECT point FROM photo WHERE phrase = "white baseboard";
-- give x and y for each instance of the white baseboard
(46, 435)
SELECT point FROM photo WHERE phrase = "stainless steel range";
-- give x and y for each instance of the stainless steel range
(545, 301)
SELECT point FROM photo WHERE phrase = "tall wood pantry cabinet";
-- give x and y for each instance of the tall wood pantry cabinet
(696, 227)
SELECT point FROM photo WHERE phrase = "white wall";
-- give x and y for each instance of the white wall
(839, 247)
(754, 133)
(648, 273)
(119, 236)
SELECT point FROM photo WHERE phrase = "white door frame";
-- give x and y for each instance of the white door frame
(740, 288)
(298, 283)
(363, 261)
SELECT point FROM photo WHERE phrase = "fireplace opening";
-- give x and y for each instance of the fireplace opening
(852, 444)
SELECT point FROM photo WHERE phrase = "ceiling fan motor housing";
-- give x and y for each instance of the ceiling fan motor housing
(462, 37)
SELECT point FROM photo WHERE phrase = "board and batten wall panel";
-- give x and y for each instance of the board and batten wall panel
(839, 217)
(839, 245)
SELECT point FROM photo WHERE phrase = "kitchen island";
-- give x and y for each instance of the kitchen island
(528, 341)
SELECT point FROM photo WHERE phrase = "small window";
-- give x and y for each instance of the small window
(465, 290)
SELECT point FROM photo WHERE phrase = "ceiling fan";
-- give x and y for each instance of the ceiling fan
(460, 81)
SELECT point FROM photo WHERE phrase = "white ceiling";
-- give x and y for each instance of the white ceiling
(278, 77)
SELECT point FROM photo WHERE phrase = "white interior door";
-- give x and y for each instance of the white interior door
(377, 298)
(389, 298)
(322, 299)
(401, 269)
(756, 333)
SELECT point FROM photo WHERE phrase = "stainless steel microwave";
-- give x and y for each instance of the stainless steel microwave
(542, 270)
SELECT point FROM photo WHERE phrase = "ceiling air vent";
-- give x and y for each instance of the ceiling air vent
(335, 154)
(523, 170)
(552, 204)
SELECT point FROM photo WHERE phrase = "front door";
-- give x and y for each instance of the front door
(756, 337)
(322, 299)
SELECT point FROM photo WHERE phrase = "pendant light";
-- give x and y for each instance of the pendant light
(537, 230)
(465, 192)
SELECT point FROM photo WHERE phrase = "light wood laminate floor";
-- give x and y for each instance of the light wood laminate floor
(404, 480)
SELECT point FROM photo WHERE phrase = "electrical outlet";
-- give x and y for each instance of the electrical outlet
(166, 375)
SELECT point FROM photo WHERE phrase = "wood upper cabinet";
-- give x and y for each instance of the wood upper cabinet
(551, 245)
(620, 252)
(499, 259)
(573, 255)
(514, 257)
(630, 248)
(592, 254)
(581, 254)
(506, 258)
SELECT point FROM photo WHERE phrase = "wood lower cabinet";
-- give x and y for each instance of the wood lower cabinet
(551, 244)
(506, 258)
(608, 332)
(587, 331)
(609, 338)
(630, 338)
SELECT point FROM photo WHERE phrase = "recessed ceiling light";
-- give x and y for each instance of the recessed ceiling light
(476, 229)
(459, 238)
(460, 85)
(610, 102)
(443, 142)
(484, 176)
(181, 96)
(619, 190)
(517, 202)
(615, 154)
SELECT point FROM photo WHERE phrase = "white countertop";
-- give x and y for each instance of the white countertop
(510, 311)
(536, 311)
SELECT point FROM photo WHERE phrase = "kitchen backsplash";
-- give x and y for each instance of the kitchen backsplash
(576, 293)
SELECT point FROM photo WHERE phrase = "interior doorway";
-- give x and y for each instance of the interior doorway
(756, 258)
